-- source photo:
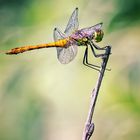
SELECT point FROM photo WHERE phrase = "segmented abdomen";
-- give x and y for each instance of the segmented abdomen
(59, 43)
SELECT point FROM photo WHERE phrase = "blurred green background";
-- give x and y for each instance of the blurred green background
(40, 99)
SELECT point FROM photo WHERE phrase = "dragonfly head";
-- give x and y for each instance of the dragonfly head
(98, 35)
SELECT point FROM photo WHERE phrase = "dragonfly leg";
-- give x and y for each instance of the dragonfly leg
(86, 63)
(97, 47)
(93, 51)
(85, 59)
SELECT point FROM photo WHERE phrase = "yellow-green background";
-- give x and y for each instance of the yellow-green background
(41, 99)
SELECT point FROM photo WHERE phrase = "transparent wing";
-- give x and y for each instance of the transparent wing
(57, 34)
(72, 23)
(92, 29)
(64, 55)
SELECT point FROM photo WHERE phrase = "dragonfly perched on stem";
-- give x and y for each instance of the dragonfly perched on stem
(67, 43)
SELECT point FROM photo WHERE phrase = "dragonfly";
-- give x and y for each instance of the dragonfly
(67, 43)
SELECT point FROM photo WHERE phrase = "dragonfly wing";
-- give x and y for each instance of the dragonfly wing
(72, 23)
(57, 34)
(92, 29)
(64, 55)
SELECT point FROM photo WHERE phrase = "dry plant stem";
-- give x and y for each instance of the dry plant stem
(89, 125)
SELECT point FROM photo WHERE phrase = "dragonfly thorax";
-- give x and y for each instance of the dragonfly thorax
(82, 41)
(79, 38)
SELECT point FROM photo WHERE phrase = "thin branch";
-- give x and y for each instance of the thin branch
(89, 125)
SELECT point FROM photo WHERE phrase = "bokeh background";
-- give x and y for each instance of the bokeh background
(41, 99)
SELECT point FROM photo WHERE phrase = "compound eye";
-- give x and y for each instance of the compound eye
(98, 36)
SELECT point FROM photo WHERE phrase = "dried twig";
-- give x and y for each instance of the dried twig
(89, 125)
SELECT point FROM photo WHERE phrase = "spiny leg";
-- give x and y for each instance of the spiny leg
(86, 60)
(86, 63)
(96, 55)
(97, 47)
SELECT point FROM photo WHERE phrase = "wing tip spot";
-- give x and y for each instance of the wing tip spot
(101, 23)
